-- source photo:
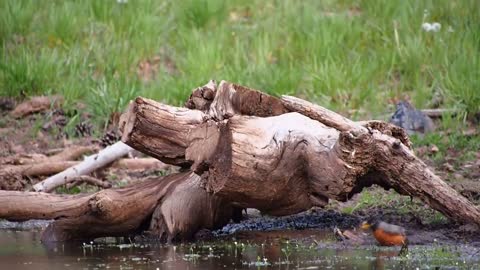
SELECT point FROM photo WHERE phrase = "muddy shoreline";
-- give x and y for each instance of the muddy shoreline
(315, 220)
(322, 220)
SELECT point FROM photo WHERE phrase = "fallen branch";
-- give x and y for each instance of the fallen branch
(438, 113)
(90, 164)
(38, 169)
(72, 153)
(36, 104)
(67, 154)
(88, 180)
(181, 207)
(47, 168)
(321, 114)
(23, 159)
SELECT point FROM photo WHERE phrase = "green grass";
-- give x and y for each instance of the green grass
(89, 51)
(374, 198)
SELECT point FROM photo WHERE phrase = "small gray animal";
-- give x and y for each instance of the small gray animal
(412, 120)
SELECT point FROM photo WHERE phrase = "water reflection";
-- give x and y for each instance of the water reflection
(282, 250)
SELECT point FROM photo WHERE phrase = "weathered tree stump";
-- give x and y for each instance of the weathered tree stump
(285, 155)
(241, 148)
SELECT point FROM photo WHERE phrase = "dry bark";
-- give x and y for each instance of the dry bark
(229, 99)
(123, 211)
(282, 163)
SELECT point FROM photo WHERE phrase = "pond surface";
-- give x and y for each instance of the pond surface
(307, 249)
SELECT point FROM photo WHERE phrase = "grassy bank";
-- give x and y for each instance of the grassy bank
(357, 57)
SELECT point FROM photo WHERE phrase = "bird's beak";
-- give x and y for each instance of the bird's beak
(365, 225)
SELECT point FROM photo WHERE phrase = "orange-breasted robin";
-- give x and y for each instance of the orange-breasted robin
(386, 234)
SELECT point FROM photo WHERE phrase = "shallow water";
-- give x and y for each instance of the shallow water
(308, 249)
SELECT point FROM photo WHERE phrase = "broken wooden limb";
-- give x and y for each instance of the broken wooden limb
(23, 159)
(90, 164)
(321, 114)
(38, 169)
(233, 99)
(38, 165)
(88, 180)
(72, 153)
(36, 104)
(335, 120)
(289, 162)
(439, 113)
(119, 212)
(67, 154)
(48, 168)
(159, 130)
(202, 97)
(229, 99)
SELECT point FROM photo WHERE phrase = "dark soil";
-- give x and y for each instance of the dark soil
(313, 219)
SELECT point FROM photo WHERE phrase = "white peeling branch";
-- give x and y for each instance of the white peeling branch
(90, 164)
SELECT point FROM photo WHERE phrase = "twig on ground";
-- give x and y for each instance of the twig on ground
(76, 181)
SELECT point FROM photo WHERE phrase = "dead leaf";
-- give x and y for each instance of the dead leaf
(433, 149)
(448, 167)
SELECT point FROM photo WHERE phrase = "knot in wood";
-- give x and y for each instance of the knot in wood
(100, 202)
(396, 144)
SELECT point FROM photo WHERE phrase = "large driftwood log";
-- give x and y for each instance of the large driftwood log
(247, 149)
(285, 162)
(181, 207)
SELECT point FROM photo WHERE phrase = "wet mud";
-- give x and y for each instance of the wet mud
(447, 233)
